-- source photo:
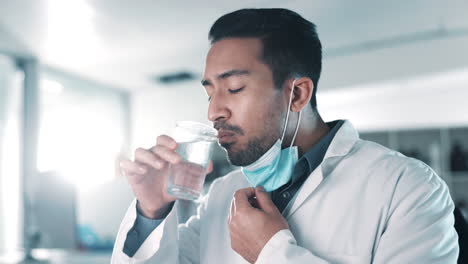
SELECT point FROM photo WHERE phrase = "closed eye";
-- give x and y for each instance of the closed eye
(232, 91)
(236, 90)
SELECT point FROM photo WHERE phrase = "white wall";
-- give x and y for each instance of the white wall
(104, 207)
(155, 112)
(11, 45)
(395, 63)
(10, 183)
(436, 100)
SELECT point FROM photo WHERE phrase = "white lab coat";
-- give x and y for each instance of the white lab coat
(363, 204)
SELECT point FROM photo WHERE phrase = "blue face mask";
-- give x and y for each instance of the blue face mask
(274, 168)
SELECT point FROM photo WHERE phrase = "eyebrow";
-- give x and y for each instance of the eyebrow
(226, 75)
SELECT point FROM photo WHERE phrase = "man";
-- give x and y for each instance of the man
(322, 194)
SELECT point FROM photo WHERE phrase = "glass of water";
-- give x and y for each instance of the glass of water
(195, 143)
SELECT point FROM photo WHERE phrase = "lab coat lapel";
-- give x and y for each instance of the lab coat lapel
(309, 186)
(341, 144)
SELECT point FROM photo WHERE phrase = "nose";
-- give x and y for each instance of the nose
(218, 108)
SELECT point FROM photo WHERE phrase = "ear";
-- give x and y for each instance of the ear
(303, 90)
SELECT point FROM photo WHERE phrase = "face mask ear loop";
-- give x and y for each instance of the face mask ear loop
(289, 107)
(297, 128)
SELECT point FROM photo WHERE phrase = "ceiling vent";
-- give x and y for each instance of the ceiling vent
(174, 77)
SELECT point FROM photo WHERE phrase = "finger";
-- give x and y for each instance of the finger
(242, 197)
(166, 141)
(134, 178)
(209, 169)
(166, 154)
(254, 203)
(192, 174)
(191, 168)
(128, 166)
(147, 157)
(264, 201)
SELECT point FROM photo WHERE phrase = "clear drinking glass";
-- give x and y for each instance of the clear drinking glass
(195, 142)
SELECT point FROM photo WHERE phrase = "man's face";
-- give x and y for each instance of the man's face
(245, 107)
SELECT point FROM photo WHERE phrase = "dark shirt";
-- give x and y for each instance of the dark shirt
(304, 167)
(141, 229)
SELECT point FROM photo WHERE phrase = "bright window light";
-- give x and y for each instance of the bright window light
(70, 31)
(51, 87)
(80, 137)
(10, 183)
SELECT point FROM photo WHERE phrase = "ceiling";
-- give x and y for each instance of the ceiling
(125, 43)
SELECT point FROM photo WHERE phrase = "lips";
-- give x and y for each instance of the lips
(225, 136)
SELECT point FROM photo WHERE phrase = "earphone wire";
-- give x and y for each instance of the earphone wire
(287, 117)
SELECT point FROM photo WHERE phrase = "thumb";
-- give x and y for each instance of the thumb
(264, 201)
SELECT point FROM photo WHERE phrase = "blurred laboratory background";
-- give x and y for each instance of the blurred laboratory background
(83, 83)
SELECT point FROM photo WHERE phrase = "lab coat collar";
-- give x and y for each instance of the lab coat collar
(343, 141)
(341, 145)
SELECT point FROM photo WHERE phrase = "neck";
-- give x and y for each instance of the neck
(312, 129)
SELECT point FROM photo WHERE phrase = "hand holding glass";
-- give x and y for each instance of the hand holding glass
(195, 143)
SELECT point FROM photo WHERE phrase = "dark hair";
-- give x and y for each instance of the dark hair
(291, 46)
